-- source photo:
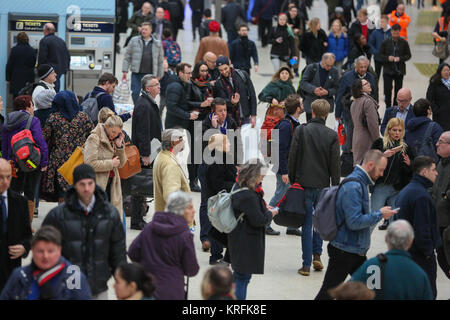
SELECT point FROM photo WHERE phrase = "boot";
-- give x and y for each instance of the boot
(137, 223)
(317, 263)
(31, 205)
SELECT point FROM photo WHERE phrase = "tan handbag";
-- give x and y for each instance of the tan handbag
(66, 170)
(133, 164)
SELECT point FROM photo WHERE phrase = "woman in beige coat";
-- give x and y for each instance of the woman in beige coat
(104, 151)
(168, 176)
(364, 111)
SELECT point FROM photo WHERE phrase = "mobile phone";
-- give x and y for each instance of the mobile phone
(396, 209)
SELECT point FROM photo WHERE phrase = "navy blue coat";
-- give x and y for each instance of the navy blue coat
(20, 283)
(230, 13)
(53, 51)
(265, 10)
(241, 59)
(417, 207)
(345, 86)
(106, 100)
(391, 112)
(286, 130)
(375, 39)
(20, 66)
(415, 131)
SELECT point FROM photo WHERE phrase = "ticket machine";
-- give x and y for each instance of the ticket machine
(32, 25)
(91, 47)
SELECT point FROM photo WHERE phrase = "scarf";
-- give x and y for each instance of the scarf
(201, 82)
(245, 46)
(231, 90)
(44, 289)
(223, 127)
(446, 83)
(259, 190)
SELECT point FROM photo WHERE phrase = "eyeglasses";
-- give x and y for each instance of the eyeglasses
(187, 72)
(204, 70)
(440, 141)
(403, 101)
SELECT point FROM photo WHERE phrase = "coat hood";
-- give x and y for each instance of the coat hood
(416, 122)
(168, 224)
(14, 119)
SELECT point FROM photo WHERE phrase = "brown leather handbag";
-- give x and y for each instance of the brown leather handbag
(133, 164)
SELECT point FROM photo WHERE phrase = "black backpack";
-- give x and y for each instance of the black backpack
(29, 88)
(424, 146)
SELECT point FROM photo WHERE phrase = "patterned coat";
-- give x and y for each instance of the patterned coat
(62, 138)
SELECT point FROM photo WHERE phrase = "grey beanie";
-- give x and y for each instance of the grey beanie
(44, 99)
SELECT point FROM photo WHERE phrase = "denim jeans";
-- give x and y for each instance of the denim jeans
(241, 280)
(136, 85)
(383, 194)
(311, 241)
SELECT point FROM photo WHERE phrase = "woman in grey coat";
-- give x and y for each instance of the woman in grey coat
(366, 121)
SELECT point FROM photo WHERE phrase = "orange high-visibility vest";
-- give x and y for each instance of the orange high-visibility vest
(403, 21)
(441, 27)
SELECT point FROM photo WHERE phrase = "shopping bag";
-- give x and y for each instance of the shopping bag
(341, 134)
(66, 170)
(250, 138)
(122, 93)
(133, 164)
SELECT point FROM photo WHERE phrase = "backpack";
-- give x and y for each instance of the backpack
(302, 93)
(26, 153)
(324, 215)
(274, 116)
(29, 88)
(424, 146)
(173, 53)
(90, 106)
(221, 213)
(292, 208)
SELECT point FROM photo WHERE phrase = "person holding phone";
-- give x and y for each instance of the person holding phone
(398, 171)
(104, 151)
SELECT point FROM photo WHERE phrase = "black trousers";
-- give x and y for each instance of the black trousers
(378, 67)
(398, 82)
(428, 265)
(264, 30)
(340, 265)
(26, 182)
(441, 258)
(196, 21)
(192, 166)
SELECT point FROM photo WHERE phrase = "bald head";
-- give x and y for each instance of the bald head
(49, 28)
(5, 175)
(404, 98)
(210, 59)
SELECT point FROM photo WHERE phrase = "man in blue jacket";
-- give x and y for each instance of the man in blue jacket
(420, 211)
(394, 275)
(262, 14)
(375, 39)
(103, 92)
(230, 14)
(242, 49)
(404, 109)
(348, 250)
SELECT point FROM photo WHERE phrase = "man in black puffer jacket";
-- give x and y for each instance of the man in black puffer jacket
(93, 236)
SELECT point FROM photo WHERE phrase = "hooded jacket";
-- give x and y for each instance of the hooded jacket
(415, 131)
(95, 242)
(16, 121)
(165, 248)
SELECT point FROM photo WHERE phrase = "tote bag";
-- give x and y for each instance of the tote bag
(66, 170)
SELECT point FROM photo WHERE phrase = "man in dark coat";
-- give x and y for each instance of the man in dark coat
(20, 65)
(197, 7)
(242, 49)
(93, 235)
(239, 95)
(417, 207)
(394, 52)
(53, 51)
(262, 13)
(159, 23)
(146, 126)
(230, 14)
(144, 14)
(314, 163)
(404, 109)
(15, 232)
(320, 81)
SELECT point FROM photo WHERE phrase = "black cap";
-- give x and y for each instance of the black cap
(222, 60)
(83, 171)
(44, 71)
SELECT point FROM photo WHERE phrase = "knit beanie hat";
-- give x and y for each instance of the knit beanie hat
(214, 26)
(83, 171)
(222, 60)
(44, 70)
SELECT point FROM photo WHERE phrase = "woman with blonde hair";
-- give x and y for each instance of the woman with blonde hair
(398, 171)
(104, 151)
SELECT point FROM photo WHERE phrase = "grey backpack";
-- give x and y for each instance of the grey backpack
(90, 106)
(221, 213)
(324, 216)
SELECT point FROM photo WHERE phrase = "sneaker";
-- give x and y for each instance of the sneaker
(294, 232)
(206, 245)
(317, 263)
(271, 232)
(194, 187)
(36, 212)
(304, 271)
(384, 225)
(219, 262)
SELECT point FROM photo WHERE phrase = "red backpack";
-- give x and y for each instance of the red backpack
(26, 153)
(274, 115)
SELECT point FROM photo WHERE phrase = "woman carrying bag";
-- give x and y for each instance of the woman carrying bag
(277, 90)
(104, 150)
